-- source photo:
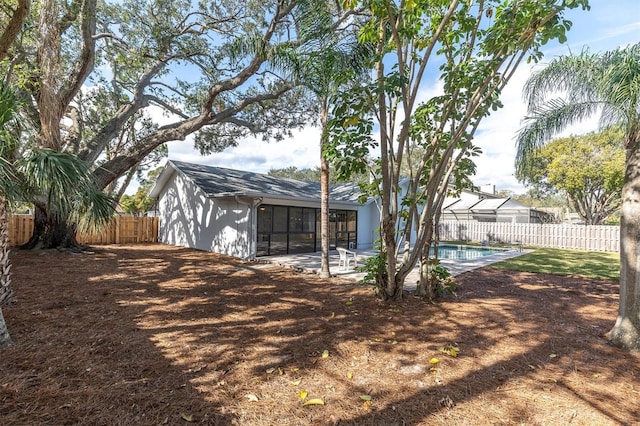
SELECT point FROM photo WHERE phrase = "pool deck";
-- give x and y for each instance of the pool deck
(310, 263)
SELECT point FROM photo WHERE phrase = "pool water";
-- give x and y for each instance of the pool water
(460, 252)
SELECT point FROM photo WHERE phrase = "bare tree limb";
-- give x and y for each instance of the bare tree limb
(12, 29)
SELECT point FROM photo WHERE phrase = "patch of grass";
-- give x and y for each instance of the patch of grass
(566, 262)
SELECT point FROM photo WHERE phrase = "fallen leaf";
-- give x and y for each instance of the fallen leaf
(325, 353)
(349, 303)
(434, 361)
(552, 355)
(251, 397)
(365, 397)
(295, 382)
(333, 314)
(315, 401)
(270, 370)
(349, 375)
(302, 394)
(366, 404)
(187, 417)
(450, 350)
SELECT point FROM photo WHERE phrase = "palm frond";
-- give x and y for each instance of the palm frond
(547, 120)
(621, 80)
(608, 83)
(8, 142)
(94, 211)
(574, 76)
(66, 185)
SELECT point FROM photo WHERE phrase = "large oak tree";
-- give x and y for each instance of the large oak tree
(215, 70)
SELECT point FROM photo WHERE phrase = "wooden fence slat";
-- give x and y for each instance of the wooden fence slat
(121, 230)
(578, 237)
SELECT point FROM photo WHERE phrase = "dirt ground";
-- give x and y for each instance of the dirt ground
(152, 335)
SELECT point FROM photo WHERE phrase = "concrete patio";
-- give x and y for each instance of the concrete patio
(310, 263)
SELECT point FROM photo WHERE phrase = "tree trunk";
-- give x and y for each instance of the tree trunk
(392, 290)
(626, 331)
(5, 273)
(324, 198)
(422, 288)
(5, 338)
(52, 230)
(5, 262)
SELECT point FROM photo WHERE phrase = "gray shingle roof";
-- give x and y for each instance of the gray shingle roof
(220, 182)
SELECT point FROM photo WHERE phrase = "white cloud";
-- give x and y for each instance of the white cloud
(255, 155)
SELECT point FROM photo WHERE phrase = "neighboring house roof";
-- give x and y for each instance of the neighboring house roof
(492, 204)
(459, 204)
(223, 182)
(485, 206)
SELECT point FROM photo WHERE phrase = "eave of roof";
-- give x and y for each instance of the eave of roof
(219, 182)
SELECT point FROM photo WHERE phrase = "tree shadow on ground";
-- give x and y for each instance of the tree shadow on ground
(144, 334)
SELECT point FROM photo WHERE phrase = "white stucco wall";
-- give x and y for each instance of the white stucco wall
(189, 219)
(368, 224)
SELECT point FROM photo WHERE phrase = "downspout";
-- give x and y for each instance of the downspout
(252, 232)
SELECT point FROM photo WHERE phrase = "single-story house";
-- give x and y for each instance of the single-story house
(247, 214)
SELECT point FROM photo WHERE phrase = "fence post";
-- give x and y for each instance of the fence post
(118, 229)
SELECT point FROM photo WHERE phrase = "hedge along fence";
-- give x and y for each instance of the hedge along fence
(121, 230)
(578, 237)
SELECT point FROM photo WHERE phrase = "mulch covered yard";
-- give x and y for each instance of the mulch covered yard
(153, 334)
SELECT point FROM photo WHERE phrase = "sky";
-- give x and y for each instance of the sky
(608, 25)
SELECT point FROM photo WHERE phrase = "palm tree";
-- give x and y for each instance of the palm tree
(5, 273)
(332, 59)
(7, 143)
(607, 84)
(64, 179)
(327, 72)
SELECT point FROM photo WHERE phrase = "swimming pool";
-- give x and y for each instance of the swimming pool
(461, 252)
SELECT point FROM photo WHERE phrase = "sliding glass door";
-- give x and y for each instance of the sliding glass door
(288, 229)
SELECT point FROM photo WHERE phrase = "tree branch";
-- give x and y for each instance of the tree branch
(115, 167)
(84, 64)
(12, 29)
(154, 99)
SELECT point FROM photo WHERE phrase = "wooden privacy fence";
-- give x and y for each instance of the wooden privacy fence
(121, 230)
(579, 237)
